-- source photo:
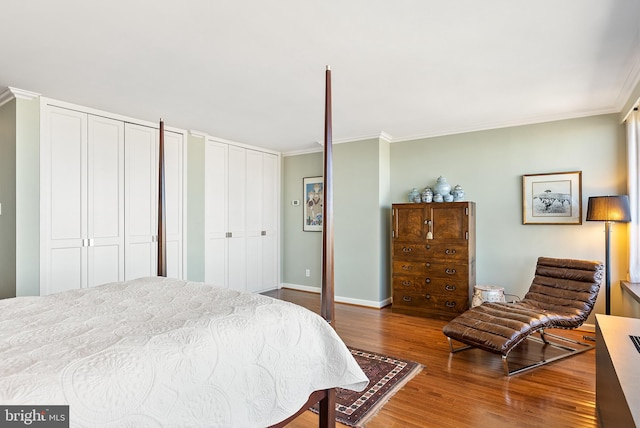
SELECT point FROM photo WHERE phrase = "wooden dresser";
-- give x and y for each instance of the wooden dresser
(433, 258)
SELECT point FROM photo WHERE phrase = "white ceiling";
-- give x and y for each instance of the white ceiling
(252, 71)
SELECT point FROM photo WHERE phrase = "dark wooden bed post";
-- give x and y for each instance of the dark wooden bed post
(327, 409)
(162, 227)
(326, 397)
(327, 290)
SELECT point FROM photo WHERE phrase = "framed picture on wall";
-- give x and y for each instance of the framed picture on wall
(553, 198)
(313, 190)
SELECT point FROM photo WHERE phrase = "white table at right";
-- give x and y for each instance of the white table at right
(617, 372)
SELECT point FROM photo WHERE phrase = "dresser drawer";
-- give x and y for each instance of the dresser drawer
(431, 285)
(405, 282)
(412, 250)
(419, 300)
(431, 268)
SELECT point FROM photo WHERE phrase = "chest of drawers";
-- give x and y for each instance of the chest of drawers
(433, 258)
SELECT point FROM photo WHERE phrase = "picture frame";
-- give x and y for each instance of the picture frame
(312, 211)
(552, 198)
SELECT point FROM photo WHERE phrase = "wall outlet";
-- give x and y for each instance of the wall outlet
(307, 272)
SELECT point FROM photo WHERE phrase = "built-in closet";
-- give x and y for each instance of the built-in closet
(241, 216)
(98, 198)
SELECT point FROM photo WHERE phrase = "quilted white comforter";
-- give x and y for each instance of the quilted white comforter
(161, 352)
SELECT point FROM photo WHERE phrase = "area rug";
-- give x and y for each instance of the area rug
(387, 375)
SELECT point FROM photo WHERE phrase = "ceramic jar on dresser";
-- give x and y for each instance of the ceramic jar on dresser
(433, 258)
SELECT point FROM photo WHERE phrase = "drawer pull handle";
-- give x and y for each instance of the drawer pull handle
(449, 304)
(427, 265)
(407, 267)
(427, 296)
(428, 247)
(449, 271)
(406, 283)
(407, 249)
(427, 280)
(406, 298)
(450, 287)
(449, 251)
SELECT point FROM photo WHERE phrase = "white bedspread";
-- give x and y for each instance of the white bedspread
(160, 352)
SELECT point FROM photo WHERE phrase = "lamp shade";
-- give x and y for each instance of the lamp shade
(609, 208)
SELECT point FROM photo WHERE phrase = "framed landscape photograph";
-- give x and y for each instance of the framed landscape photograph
(553, 198)
(313, 190)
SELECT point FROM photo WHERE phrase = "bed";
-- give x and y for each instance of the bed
(166, 352)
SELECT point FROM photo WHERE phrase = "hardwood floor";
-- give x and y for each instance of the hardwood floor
(467, 389)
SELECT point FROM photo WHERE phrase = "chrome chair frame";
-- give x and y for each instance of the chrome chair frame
(584, 346)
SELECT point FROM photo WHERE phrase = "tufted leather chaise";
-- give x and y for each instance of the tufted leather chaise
(562, 295)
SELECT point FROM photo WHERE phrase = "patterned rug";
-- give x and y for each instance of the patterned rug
(387, 375)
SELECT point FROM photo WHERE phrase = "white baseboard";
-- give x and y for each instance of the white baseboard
(349, 300)
(587, 327)
(298, 287)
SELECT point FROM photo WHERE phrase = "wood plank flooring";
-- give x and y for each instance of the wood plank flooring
(467, 389)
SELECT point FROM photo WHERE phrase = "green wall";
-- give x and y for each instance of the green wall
(361, 222)
(8, 199)
(299, 250)
(28, 197)
(489, 165)
(20, 198)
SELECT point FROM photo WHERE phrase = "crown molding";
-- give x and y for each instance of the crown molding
(198, 134)
(302, 152)
(6, 96)
(381, 136)
(14, 93)
(386, 137)
(508, 124)
(208, 137)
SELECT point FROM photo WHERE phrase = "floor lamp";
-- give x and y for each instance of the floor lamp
(608, 209)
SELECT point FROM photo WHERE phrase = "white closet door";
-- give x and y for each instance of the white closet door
(236, 242)
(270, 196)
(105, 173)
(173, 160)
(141, 195)
(241, 238)
(215, 209)
(254, 211)
(63, 201)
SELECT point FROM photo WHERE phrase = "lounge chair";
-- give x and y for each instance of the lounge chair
(562, 295)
